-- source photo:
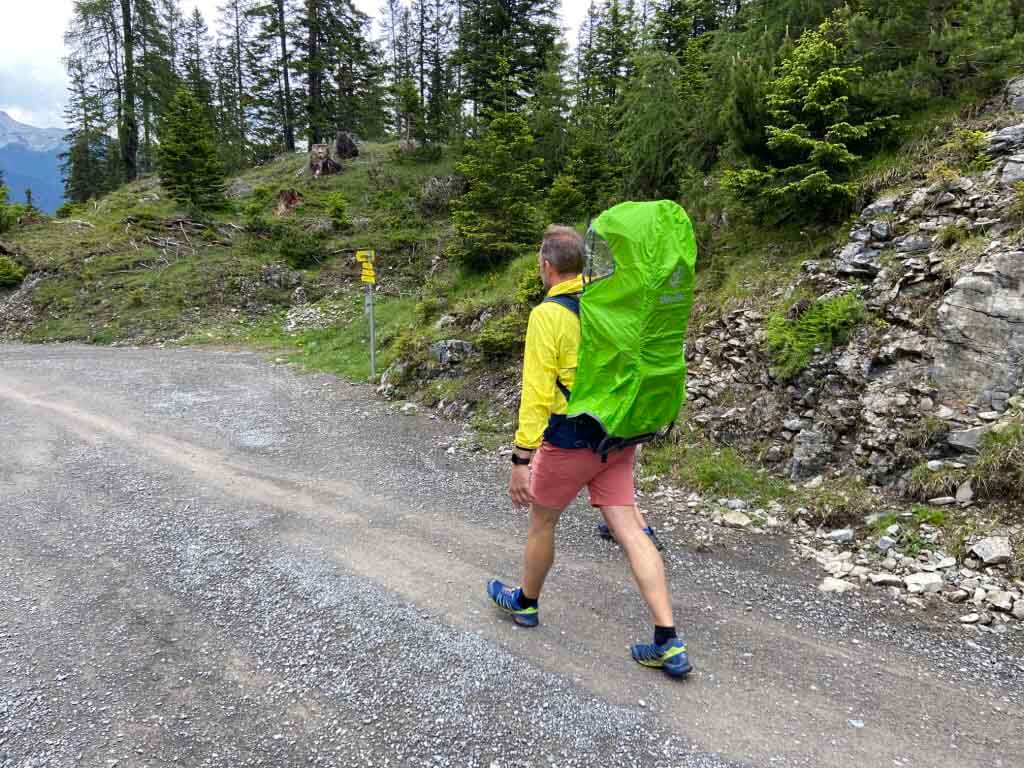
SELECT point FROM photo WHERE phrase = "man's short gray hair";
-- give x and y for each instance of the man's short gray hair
(563, 248)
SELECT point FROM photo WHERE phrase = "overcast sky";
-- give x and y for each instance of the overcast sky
(32, 78)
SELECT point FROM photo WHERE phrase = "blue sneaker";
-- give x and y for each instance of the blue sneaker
(509, 599)
(671, 657)
(605, 533)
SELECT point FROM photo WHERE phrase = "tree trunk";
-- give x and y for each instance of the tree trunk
(315, 71)
(129, 125)
(289, 124)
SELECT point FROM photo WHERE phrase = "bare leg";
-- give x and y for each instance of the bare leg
(540, 549)
(644, 559)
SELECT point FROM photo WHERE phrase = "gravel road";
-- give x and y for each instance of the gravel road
(210, 560)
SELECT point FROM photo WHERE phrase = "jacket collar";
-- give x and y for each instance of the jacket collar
(575, 285)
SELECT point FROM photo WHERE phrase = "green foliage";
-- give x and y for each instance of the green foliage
(301, 251)
(969, 149)
(999, 471)
(816, 118)
(928, 484)
(690, 461)
(8, 213)
(337, 209)
(819, 328)
(187, 158)
(503, 336)
(11, 273)
(650, 136)
(952, 235)
(565, 202)
(497, 218)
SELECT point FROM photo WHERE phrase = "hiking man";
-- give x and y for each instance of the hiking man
(550, 467)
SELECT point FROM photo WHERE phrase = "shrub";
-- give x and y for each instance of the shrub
(11, 274)
(818, 329)
(999, 471)
(503, 336)
(67, 209)
(337, 209)
(968, 149)
(928, 484)
(952, 235)
(1016, 209)
(301, 251)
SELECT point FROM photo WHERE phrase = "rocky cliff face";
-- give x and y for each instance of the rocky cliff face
(941, 268)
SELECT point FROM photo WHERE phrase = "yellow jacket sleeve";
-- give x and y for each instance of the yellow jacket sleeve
(540, 372)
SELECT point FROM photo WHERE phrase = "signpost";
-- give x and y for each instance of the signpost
(369, 277)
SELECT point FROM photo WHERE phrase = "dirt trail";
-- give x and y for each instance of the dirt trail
(180, 484)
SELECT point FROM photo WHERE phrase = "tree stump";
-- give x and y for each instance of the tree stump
(287, 200)
(345, 146)
(320, 162)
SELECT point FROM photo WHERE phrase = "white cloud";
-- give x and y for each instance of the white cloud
(32, 76)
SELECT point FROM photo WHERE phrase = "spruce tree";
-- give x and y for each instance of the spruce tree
(188, 161)
(498, 217)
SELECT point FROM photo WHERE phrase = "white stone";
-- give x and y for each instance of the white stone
(946, 562)
(885, 580)
(885, 544)
(942, 501)
(838, 586)
(736, 519)
(923, 582)
(893, 530)
(959, 596)
(993, 550)
(1018, 610)
(936, 464)
(965, 493)
(1001, 601)
(970, 618)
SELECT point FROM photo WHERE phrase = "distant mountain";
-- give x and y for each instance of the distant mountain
(28, 158)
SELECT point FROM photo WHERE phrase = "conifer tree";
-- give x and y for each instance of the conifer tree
(189, 167)
(498, 217)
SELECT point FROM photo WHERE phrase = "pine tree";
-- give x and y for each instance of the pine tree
(189, 167)
(498, 217)
(816, 119)
(548, 114)
(522, 34)
(83, 164)
(269, 59)
(194, 57)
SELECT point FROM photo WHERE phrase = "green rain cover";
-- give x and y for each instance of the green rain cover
(638, 290)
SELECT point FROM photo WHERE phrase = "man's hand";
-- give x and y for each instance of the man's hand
(519, 486)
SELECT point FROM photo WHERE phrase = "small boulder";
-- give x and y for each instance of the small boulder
(842, 535)
(838, 586)
(993, 550)
(885, 544)
(736, 519)
(885, 580)
(924, 582)
(1001, 601)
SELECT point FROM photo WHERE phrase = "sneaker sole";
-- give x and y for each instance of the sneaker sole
(515, 617)
(667, 670)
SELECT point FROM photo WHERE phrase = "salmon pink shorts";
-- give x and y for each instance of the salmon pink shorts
(558, 474)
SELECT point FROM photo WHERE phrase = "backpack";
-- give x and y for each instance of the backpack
(634, 311)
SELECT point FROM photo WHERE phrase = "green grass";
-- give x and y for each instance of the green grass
(816, 329)
(688, 461)
(123, 268)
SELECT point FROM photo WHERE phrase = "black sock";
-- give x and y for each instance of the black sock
(663, 634)
(527, 602)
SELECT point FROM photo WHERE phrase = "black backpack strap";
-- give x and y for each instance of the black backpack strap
(570, 301)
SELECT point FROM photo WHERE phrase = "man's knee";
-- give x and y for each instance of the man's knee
(543, 518)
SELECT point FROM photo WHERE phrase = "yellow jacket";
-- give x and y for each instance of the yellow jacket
(552, 340)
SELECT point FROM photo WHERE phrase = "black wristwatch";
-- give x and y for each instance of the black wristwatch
(519, 461)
